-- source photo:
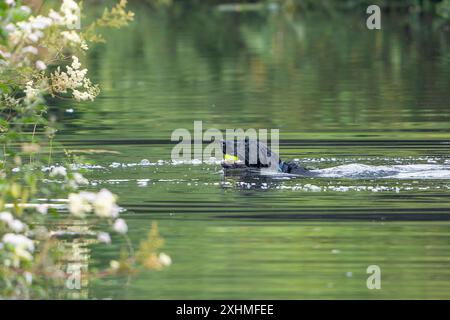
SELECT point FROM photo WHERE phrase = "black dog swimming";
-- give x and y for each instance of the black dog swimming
(253, 154)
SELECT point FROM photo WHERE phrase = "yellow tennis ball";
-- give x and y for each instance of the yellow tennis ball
(230, 158)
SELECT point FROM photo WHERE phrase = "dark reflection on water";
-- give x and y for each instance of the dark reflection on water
(339, 94)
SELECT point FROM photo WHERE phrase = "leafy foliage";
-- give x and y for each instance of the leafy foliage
(38, 60)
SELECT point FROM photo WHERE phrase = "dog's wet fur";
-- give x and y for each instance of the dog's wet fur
(264, 157)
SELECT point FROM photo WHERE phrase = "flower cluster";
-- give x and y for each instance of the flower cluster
(31, 93)
(30, 31)
(33, 65)
(16, 249)
(68, 15)
(74, 79)
(19, 248)
(33, 29)
(37, 41)
(103, 205)
(74, 38)
(13, 224)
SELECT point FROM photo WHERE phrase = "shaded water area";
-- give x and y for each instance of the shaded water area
(375, 104)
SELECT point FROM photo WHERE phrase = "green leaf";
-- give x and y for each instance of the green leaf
(18, 14)
(4, 89)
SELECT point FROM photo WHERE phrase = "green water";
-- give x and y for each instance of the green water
(339, 93)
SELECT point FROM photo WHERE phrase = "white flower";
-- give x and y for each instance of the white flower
(6, 217)
(80, 96)
(58, 171)
(42, 209)
(30, 92)
(40, 22)
(25, 9)
(76, 65)
(74, 79)
(35, 36)
(164, 259)
(79, 204)
(40, 65)
(104, 237)
(72, 37)
(21, 254)
(30, 30)
(88, 196)
(25, 27)
(10, 27)
(79, 179)
(105, 205)
(30, 49)
(55, 16)
(18, 241)
(17, 226)
(114, 264)
(120, 226)
(10, 3)
(68, 6)
(68, 15)
(13, 224)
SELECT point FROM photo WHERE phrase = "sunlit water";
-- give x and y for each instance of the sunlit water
(367, 111)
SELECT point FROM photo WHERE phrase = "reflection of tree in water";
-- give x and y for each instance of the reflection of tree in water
(74, 244)
(277, 71)
(74, 247)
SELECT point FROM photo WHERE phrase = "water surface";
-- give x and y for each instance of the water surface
(371, 105)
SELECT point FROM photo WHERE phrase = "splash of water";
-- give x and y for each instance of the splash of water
(362, 171)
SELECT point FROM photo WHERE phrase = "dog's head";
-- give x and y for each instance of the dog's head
(248, 152)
